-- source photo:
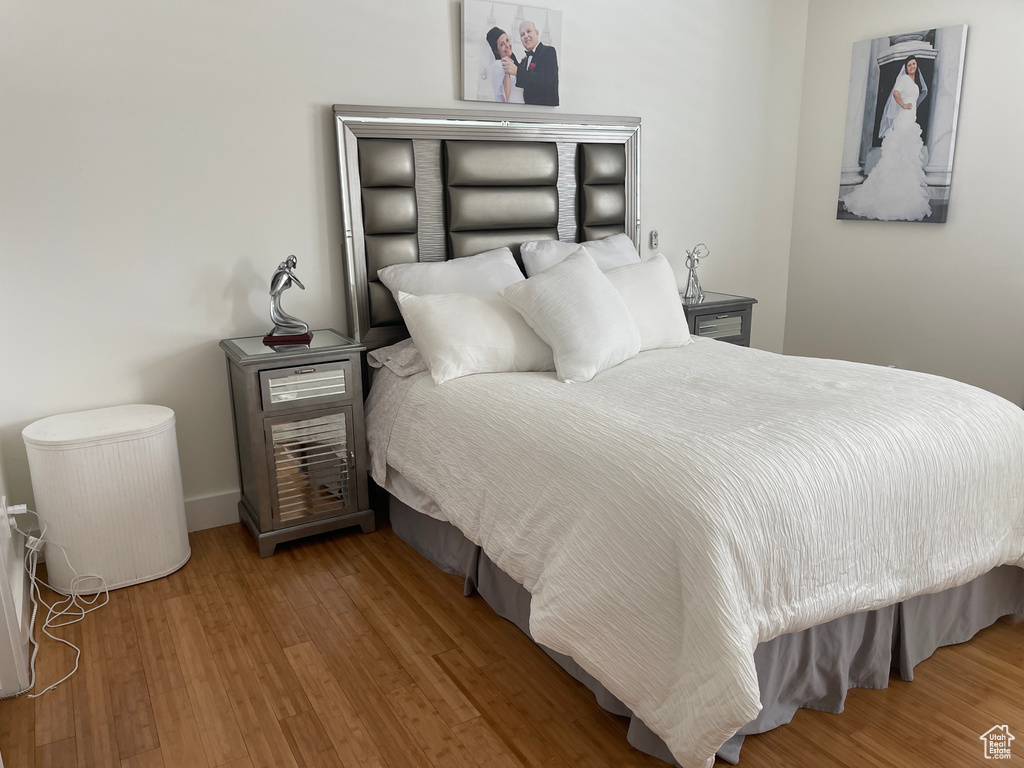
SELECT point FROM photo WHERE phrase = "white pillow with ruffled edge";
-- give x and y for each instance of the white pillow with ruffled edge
(402, 358)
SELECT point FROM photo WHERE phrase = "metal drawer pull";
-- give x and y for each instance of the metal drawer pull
(720, 317)
(306, 370)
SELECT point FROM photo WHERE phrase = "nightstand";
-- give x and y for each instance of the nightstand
(720, 316)
(299, 436)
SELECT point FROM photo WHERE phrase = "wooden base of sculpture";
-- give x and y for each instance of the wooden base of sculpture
(280, 340)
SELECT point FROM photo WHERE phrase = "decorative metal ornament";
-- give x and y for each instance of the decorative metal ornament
(287, 329)
(693, 290)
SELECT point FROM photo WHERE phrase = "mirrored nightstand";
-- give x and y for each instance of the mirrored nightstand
(299, 435)
(720, 316)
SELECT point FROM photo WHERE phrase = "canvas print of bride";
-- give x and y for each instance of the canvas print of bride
(901, 125)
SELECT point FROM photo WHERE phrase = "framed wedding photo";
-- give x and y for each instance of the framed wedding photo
(901, 125)
(510, 53)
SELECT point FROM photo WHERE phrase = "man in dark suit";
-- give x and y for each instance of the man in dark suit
(537, 73)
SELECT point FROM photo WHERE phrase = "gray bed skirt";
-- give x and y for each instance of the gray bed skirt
(811, 669)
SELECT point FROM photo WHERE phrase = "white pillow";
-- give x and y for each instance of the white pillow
(679, 269)
(486, 272)
(577, 311)
(614, 251)
(461, 334)
(649, 290)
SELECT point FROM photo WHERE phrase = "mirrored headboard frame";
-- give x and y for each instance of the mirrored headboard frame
(353, 123)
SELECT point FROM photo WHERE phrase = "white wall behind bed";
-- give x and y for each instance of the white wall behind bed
(159, 159)
(941, 298)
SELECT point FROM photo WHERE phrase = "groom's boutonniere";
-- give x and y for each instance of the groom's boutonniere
(533, 65)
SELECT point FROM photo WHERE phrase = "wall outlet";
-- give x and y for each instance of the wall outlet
(10, 513)
(654, 238)
(6, 531)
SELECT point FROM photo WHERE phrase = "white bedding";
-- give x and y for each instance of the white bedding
(690, 503)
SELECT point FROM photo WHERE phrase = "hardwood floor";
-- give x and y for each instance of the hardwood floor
(351, 650)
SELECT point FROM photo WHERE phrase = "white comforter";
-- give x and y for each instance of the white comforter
(690, 503)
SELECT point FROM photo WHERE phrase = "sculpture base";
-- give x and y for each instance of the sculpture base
(294, 338)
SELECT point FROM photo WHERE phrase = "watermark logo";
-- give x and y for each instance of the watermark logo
(997, 742)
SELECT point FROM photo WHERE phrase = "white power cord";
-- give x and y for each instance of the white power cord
(62, 613)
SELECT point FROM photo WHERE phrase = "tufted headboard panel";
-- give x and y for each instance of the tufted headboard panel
(430, 185)
(602, 175)
(500, 193)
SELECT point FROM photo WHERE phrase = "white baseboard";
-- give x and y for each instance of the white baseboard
(211, 511)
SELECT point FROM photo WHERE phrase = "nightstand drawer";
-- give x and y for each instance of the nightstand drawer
(309, 384)
(728, 325)
(720, 316)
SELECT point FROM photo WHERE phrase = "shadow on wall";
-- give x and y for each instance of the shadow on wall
(14, 460)
(327, 169)
(194, 384)
(240, 292)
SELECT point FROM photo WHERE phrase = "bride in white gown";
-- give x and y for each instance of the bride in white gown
(896, 188)
(504, 85)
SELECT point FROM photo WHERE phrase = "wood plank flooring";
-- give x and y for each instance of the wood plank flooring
(352, 650)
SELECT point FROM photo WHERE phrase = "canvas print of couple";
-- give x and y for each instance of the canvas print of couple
(510, 53)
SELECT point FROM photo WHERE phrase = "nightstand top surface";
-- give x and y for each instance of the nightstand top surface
(711, 298)
(252, 348)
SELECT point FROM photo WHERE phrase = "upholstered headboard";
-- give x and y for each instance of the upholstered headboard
(430, 185)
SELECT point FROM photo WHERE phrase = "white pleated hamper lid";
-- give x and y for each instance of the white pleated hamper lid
(102, 425)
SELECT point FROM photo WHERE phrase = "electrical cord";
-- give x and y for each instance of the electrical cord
(71, 609)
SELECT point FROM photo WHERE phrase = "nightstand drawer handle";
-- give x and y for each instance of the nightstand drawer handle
(305, 370)
(720, 317)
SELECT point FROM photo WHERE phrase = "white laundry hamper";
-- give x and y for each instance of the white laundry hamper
(108, 485)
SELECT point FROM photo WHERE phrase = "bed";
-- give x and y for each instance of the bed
(708, 537)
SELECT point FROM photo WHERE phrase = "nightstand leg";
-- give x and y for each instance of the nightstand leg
(267, 547)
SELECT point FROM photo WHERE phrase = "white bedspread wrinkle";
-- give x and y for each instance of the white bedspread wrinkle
(690, 503)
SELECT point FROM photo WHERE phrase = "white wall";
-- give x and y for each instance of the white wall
(943, 298)
(159, 159)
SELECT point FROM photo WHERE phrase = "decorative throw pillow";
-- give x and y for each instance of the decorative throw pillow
(649, 290)
(462, 334)
(486, 272)
(577, 311)
(609, 252)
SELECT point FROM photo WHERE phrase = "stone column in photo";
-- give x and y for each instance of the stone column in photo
(949, 41)
(856, 99)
